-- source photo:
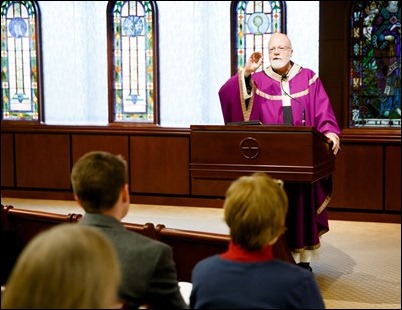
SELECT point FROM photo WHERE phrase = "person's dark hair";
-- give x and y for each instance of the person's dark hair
(97, 179)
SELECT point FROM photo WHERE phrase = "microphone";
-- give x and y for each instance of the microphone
(284, 77)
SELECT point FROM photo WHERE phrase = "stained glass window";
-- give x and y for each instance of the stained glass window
(254, 21)
(20, 59)
(133, 55)
(375, 64)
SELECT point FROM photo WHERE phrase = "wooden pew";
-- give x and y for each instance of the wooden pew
(18, 227)
(148, 229)
(27, 223)
(189, 247)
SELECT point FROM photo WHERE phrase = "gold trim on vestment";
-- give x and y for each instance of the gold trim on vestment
(327, 199)
(291, 74)
(279, 97)
(246, 110)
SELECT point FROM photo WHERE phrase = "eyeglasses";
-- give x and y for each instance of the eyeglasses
(279, 48)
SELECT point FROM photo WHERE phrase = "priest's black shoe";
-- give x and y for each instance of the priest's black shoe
(305, 266)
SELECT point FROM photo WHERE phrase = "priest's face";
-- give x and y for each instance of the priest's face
(280, 51)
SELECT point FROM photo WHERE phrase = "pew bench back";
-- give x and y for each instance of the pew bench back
(19, 226)
(189, 247)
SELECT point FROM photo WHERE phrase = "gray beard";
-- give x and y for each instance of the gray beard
(278, 64)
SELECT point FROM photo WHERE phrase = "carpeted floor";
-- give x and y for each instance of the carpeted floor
(359, 266)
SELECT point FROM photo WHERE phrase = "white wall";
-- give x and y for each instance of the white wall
(194, 52)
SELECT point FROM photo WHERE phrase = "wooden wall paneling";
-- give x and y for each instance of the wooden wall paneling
(84, 143)
(7, 160)
(160, 165)
(331, 75)
(42, 160)
(392, 181)
(358, 178)
(333, 54)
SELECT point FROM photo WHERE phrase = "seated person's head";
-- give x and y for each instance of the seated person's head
(99, 179)
(68, 266)
(255, 210)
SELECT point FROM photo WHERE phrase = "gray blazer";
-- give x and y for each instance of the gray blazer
(149, 273)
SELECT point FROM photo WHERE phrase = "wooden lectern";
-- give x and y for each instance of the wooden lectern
(220, 154)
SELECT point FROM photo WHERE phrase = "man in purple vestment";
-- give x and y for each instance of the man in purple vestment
(287, 93)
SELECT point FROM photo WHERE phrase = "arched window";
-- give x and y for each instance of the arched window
(375, 64)
(252, 23)
(132, 57)
(21, 61)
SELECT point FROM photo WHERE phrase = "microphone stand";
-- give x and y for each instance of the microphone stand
(284, 77)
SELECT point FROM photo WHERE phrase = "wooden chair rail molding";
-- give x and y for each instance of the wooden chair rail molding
(19, 226)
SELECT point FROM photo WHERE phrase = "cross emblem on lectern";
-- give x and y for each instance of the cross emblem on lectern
(249, 148)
